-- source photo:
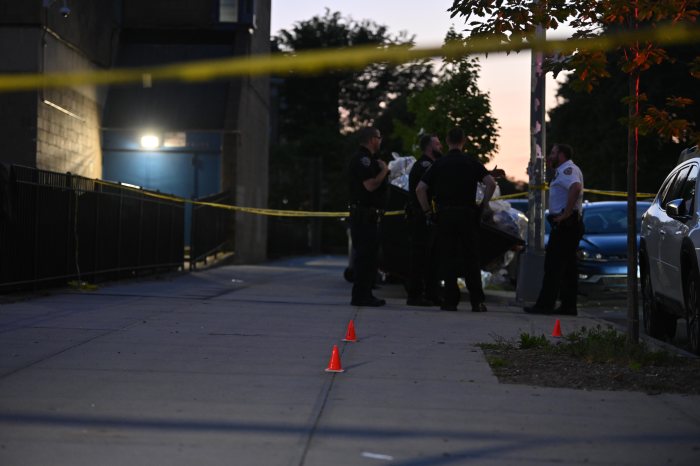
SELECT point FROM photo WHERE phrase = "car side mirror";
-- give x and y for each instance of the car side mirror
(676, 208)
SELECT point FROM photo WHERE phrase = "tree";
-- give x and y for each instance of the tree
(454, 99)
(344, 99)
(514, 21)
(591, 123)
(318, 114)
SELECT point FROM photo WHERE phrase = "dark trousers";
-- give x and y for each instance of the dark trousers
(458, 241)
(560, 265)
(365, 242)
(422, 265)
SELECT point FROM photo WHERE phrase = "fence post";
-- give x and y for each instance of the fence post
(96, 262)
(71, 222)
(138, 255)
(119, 233)
(35, 259)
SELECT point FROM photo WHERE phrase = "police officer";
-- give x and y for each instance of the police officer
(560, 267)
(453, 180)
(422, 271)
(367, 188)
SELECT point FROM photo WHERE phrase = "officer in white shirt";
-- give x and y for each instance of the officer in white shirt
(565, 199)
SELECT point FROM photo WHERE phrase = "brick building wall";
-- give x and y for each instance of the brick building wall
(55, 129)
(68, 119)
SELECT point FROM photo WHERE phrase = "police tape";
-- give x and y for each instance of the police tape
(594, 191)
(250, 210)
(308, 213)
(323, 60)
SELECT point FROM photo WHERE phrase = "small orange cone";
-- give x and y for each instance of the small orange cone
(350, 334)
(334, 364)
(557, 329)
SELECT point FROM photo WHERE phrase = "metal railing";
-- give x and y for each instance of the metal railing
(212, 228)
(57, 227)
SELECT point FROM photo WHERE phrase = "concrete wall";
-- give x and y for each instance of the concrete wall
(19, 52)
(55, 129)
(68, 119)
(59, 129)
(246, 152)
(168, 13)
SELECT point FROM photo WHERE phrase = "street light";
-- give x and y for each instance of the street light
(150, 141)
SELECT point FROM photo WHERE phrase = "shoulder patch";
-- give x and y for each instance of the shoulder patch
(568, 171)
(365, 161)
(426, 164)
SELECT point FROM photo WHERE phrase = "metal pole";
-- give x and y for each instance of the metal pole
(536, 169)
(532, 260)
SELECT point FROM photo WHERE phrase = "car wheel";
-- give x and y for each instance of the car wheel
(692, 304)
(652, 316)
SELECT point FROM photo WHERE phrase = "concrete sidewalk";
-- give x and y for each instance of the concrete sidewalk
(225, 367)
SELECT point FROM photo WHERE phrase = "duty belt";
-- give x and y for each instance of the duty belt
(443, 208)
(366, 213)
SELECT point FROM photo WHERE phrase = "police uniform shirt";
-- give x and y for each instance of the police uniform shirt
(453, 179)
(566, 175)
(364, 166)
(416, 174)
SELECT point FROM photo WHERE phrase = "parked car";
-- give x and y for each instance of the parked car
(670, 253)
(602, 252)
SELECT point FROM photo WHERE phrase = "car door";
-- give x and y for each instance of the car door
(651, 230)
(671, 234)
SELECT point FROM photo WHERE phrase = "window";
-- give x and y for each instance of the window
(228, 11)
(688, 191)
(675, 187)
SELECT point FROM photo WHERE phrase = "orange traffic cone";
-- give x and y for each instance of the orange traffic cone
(334, 364)
(557, 329)
(350, 334)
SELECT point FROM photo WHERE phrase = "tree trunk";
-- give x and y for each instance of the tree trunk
(632, 146)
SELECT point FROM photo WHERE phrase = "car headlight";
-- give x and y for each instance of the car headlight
(590, 256)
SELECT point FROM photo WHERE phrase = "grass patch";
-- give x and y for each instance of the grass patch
(599, 345)
(497, 362)
(594, 345)
(591, 359)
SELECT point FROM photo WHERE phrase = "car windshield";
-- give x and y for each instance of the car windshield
(610, 219)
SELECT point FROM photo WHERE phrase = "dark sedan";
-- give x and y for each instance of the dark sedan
(602, 251)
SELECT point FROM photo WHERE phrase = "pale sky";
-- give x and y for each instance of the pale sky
(505, 77)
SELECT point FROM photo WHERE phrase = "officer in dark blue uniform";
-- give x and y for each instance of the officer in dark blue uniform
(453, 180)
(367, 188)
(422, 271)
(560, 262)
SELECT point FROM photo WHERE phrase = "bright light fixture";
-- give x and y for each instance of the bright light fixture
(150, 141)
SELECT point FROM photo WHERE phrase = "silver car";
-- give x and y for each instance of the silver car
(669, 253)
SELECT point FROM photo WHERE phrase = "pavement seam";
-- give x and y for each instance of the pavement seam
(47, 357)
(320, 406)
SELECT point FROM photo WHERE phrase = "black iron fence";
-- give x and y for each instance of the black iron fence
(56, 227)
(302, 236)
(212, 228)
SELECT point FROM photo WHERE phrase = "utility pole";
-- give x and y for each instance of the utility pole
(531, 267)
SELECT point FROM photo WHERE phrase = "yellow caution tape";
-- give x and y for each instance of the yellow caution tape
(322, 60)
(617, 193)
(251, 210)
(510, 196)
(601, 192)
(308, 213)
